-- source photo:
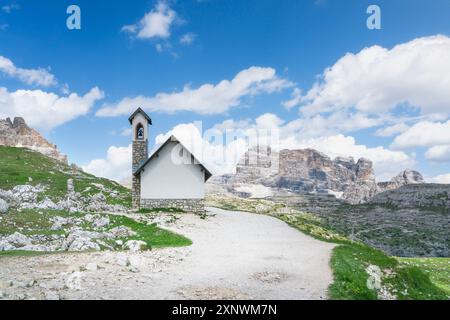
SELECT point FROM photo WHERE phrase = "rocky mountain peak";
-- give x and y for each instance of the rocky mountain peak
(404, 178)
(17, 133)
(301, 171)
(408, 177)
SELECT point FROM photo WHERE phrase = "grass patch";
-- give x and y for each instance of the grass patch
(437, 269)
(154, 237)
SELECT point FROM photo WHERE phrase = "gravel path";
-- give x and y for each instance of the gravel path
(235, 255)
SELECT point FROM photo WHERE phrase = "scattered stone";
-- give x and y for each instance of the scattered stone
(135, 261)
(74, 281)
(135, 245)
(17, 240)
(51, 295)
(3, 206)
(101, 222)
(6, 246)
(122, 259)
(92, 266)
(70, 187)
(122, 232)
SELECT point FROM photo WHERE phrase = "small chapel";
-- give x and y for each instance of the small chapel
(171, 177)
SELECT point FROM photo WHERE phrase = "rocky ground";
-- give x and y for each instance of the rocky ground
(234, 256)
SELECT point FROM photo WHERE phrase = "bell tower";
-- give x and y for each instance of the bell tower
(139, 122)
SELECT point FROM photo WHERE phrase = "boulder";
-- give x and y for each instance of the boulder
(135, 245)
(92, 266)
(80, 240)
(83, 244)
(6, 246)
(122, 232)
(3, 206)
(100, 222)
(18, 240)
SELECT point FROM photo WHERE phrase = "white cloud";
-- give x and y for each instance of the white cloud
(378, 80)
(8, 8)
(221, 155)
(188, 38)
(438, 153)
(206, 99)
(46, 110)
(116, 166)
(424, 134)
(155, 24)
(442, 179)
(392, 130)
(126, 132)
(221, 146)
(295, 99)
(38, 76)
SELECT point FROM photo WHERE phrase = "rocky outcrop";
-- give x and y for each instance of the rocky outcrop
(416, 196)
(404, 178)
(301, 171)
(16, 133)
(26, 197)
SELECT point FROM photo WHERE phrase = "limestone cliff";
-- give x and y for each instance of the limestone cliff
(300, 171)
(16, 133)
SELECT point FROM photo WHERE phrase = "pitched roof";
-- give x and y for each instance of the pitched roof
(172, 138)
(139, 110)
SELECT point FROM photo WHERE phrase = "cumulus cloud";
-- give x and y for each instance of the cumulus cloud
(392, 130)
(115, 166)
(442, 179)
(438, 153)
(295, 99)
(377, 80)
(424, 134)
(40, 76)
(223, 145)
(46, 110)
(206, 99)
(155, 24)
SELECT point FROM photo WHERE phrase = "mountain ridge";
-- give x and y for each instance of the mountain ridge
(306, 171)
(17, 133)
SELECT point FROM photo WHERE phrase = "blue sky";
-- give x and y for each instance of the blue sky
(287, 44)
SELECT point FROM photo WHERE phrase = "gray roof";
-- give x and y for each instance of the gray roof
(172, 138)
(139, 110)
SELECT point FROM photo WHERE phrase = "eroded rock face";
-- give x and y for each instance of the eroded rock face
(302, 171)
(416, 196)
(16, 133)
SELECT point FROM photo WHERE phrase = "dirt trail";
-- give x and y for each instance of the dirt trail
(235, 255)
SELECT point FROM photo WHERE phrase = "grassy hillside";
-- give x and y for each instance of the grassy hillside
(403, 279)
(19, 166)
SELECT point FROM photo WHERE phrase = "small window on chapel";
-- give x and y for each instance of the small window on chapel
(140, 132)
